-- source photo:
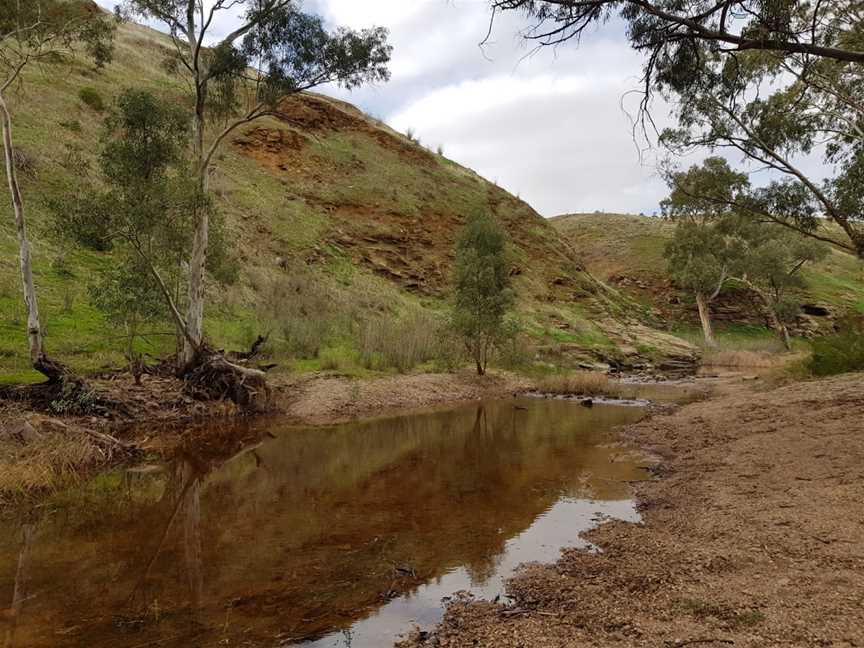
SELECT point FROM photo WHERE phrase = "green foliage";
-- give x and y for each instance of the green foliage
(839, 353)
(482, 287)
(74, 401)
(45, 30)
(91, 97)
(771, 265)
(705, 249)
(143, 209)
(291, 50)
(128, 296)
(514, 350)
(772, 81)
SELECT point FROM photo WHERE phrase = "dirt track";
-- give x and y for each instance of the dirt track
(753, 536)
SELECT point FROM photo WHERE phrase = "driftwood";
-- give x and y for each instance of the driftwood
(251, 353)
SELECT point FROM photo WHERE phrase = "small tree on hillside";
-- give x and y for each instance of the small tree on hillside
(275, 50)
(130, 299)
(771, 267)
(706, 248)
(141, 210)
(483, 294)
(32, 32)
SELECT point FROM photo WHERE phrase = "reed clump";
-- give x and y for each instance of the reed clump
(579, 383)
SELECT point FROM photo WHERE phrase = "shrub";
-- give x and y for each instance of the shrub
(302, 309)
(400, 343)
(25, 163)
(91, 97)
(515, 352)
(337, 359)
(837, 354)
(742, 359)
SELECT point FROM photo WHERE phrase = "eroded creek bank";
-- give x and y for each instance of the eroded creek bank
(323, 536)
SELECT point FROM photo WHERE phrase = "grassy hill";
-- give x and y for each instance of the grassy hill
(626, 252)
(339, 226)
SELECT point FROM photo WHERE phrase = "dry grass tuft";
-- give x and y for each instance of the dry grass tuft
(744, 359)
(52, 461)
(580, 383)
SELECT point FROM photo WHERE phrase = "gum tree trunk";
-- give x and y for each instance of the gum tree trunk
(34, 328)
(705, 319)
(198, 262)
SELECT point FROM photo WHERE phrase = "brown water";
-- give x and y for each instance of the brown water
(341, 536)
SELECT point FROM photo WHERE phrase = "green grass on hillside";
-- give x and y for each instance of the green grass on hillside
(618, 244)
(372, 212)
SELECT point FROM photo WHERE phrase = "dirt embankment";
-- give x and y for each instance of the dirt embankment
(753, 535)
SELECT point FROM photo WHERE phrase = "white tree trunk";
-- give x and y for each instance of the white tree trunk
(34, 329)
(198, 262)
(705, 319)
(195, 312)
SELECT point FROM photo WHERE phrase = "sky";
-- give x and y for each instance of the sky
(552, 126)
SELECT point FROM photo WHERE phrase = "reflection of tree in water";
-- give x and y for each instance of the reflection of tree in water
(10, 617)
(182, 496)
(300, 534)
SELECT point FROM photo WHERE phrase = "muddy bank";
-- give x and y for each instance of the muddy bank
(324, 400)
(753, 535)
(41, 452)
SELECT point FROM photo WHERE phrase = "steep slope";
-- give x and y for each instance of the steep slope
(358, 211)
(626, 251)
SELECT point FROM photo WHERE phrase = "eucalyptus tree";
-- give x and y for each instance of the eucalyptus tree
(138, 207)
(771, 81)
(482, 291)
(706, 249)
(32, 32)
(274, 49)
(770, 268)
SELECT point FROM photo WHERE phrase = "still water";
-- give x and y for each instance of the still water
(338, 536)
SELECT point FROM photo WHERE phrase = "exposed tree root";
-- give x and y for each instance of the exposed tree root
(215, 378)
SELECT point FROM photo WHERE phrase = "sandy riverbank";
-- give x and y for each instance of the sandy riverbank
(753, 535)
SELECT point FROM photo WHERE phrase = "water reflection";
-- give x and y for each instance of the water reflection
(335, 536)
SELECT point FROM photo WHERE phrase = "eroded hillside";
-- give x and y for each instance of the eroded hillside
(324, 190)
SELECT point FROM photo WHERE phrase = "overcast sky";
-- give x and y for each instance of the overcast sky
(549, 127)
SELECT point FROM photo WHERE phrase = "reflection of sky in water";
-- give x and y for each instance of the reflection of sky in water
(555, 529)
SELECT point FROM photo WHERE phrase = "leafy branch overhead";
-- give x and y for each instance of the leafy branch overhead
(770, 82)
